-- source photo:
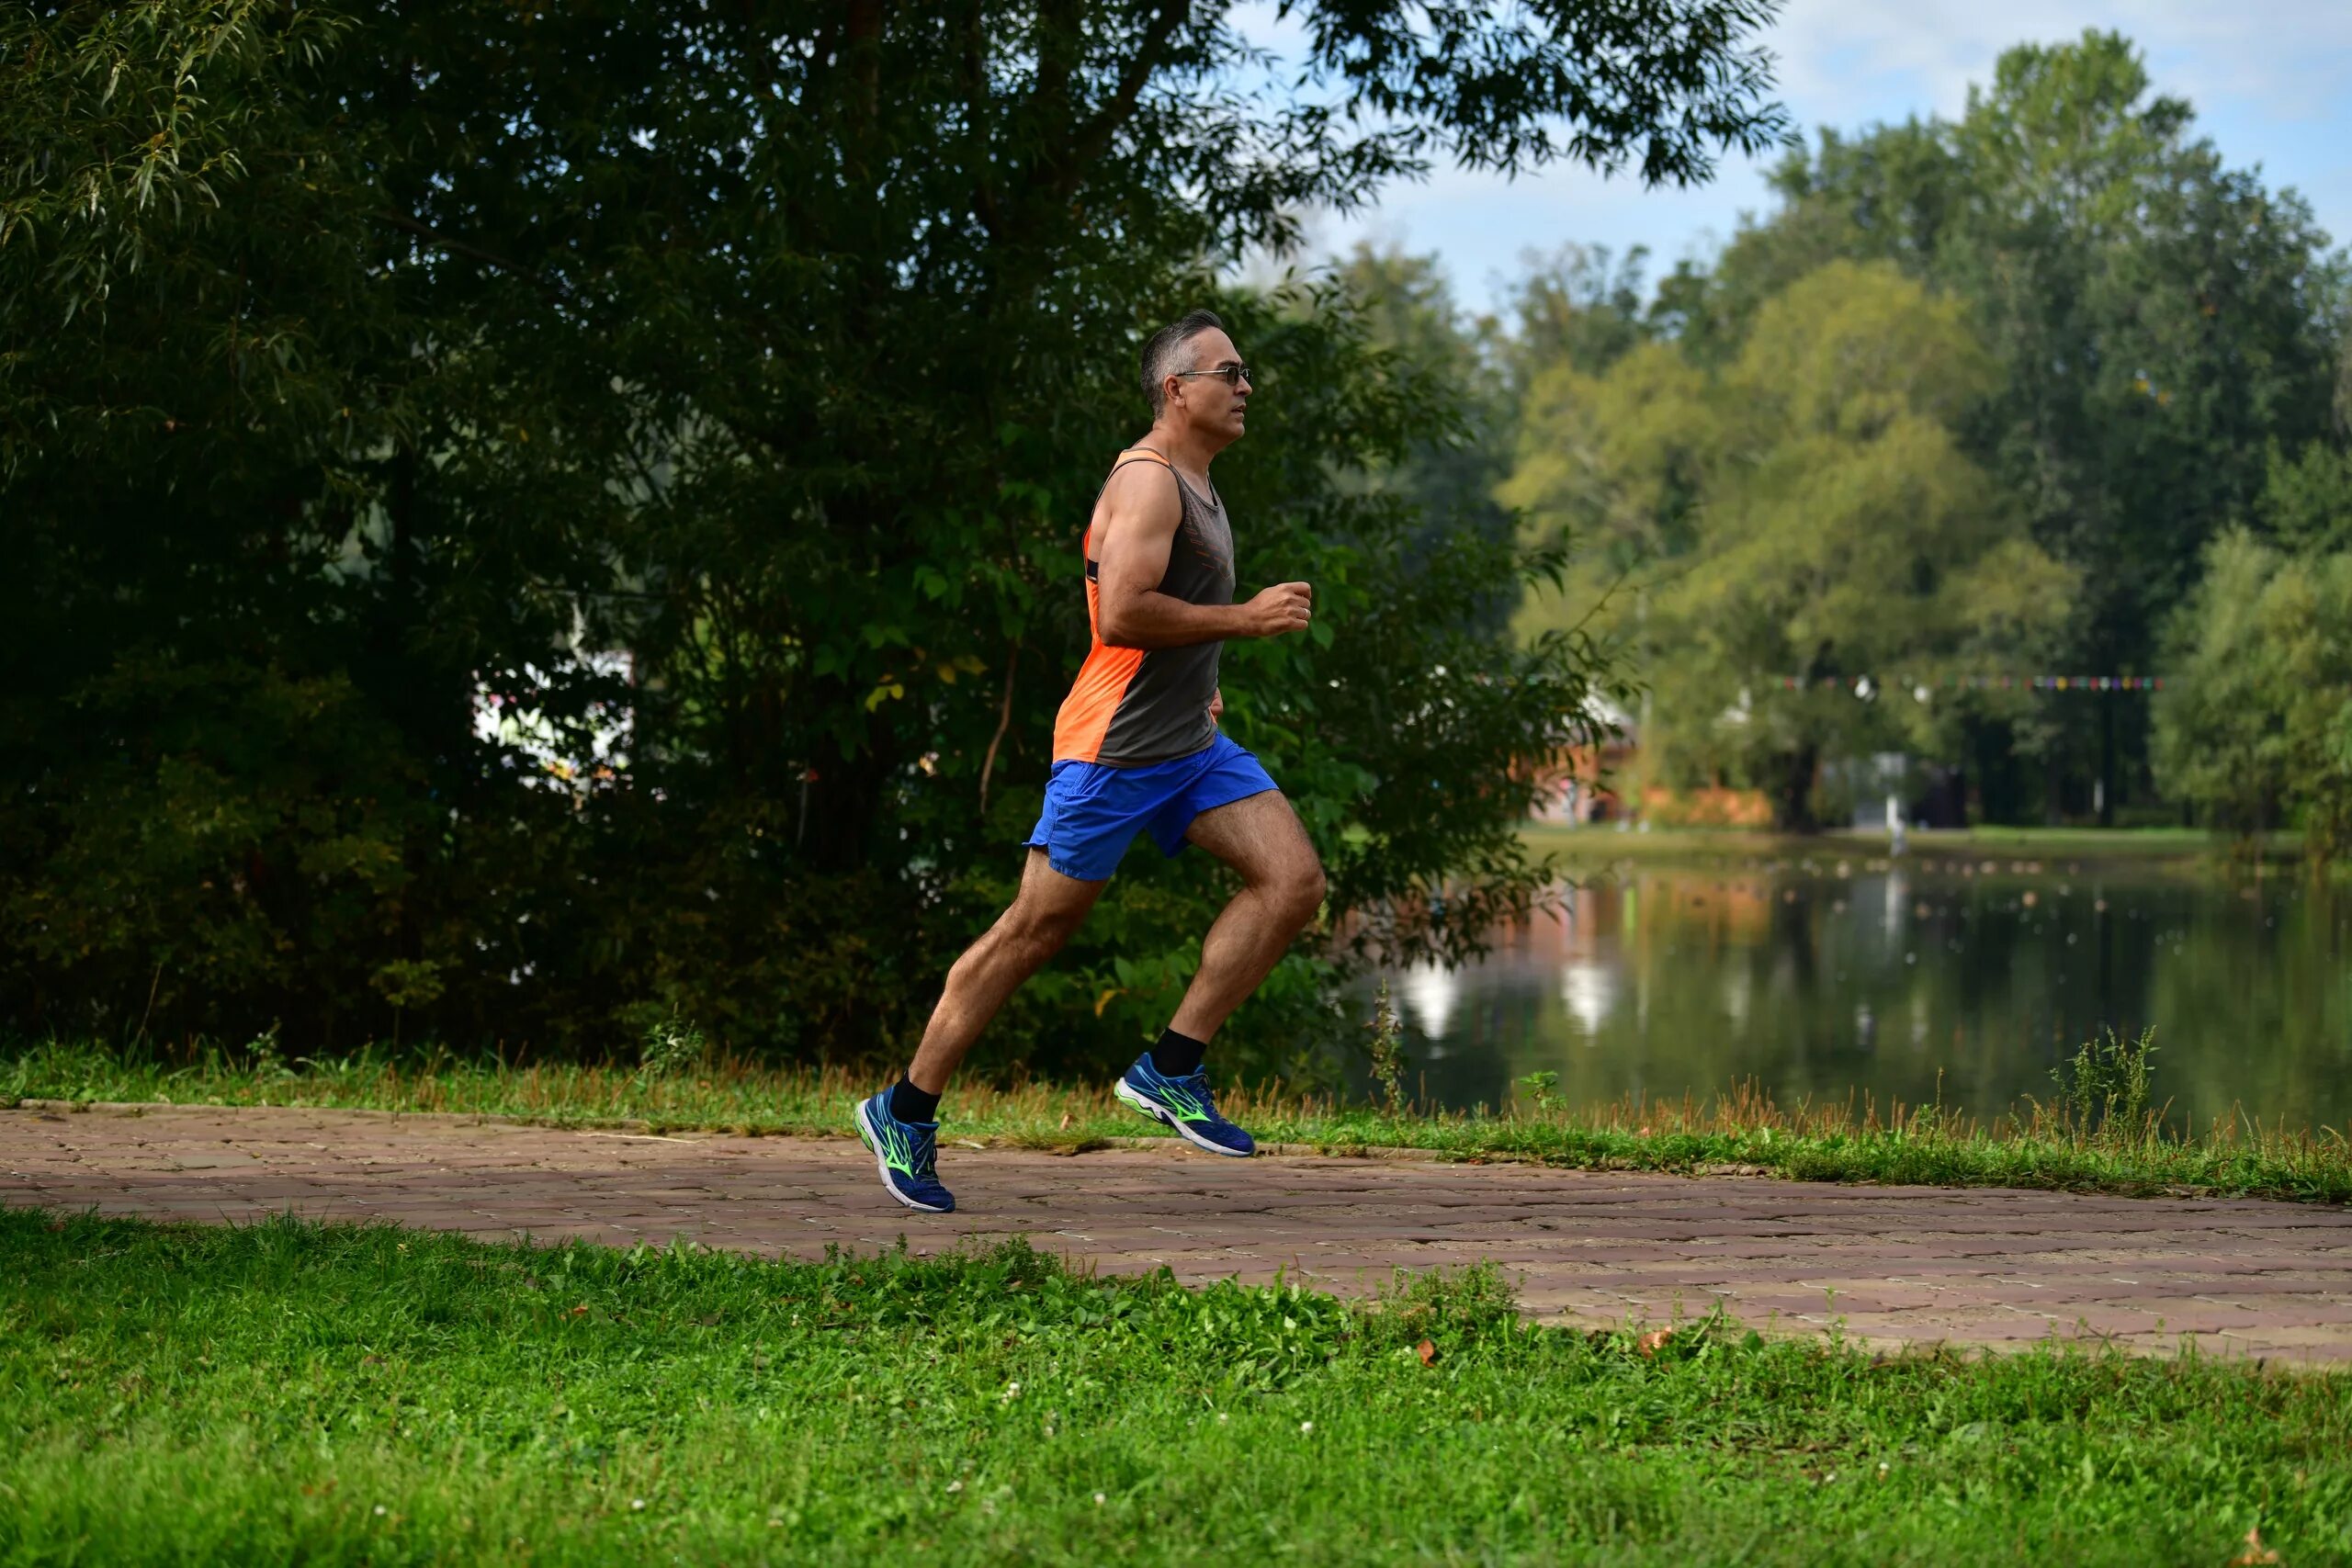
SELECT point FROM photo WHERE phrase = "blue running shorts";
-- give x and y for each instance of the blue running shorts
(1092, 812)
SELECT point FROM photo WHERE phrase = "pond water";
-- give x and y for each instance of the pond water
(1898, 979)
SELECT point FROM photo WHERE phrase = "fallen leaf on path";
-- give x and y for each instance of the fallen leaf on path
(1650, 1344)
(2255, 1554)
(1427, 1352)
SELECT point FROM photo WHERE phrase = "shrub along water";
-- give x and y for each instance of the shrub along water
(2098, 1135)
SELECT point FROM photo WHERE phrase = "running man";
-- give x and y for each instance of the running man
(1136, 749)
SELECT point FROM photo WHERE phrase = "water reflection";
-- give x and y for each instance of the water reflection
(1589, 991)
(1430, 990)
(1829, 978)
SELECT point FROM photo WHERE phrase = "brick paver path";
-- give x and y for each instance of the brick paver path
(1975, 1267)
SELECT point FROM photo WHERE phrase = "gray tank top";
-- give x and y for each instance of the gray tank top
(1131, 707)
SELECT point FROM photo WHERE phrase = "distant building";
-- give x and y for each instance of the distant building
(1578, 787)
(1589, 786)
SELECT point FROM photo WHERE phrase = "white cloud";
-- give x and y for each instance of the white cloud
(1837, 55)
(2267, 79)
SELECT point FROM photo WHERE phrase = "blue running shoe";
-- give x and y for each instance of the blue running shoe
(1184, 1105)
(907, 1153)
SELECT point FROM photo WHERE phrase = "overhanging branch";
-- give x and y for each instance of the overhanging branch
(553, 288)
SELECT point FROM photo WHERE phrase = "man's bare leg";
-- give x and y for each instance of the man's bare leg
(1282, 888)
(900, 1125)
(1048, 910)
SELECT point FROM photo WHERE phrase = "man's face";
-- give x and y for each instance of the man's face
(1207, 406)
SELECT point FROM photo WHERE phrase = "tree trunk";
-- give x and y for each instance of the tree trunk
(2105, 762)
(1793, 807)
(844, 801)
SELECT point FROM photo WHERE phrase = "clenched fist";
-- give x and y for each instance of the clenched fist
(1285, 607)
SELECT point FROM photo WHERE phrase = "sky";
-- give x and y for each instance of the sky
(2271, 82)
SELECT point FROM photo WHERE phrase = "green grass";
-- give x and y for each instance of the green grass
(1742, 1130)
(295, 1393)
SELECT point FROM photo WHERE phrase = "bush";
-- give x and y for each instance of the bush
(2255, 727)
(362, 384)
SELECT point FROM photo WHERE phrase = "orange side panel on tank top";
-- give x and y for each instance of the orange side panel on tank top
(1104, 681)
(1085, 717)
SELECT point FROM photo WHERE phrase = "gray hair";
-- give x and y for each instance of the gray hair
(1164, 355)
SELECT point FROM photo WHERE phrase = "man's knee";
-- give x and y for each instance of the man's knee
(1299, 891)
(1036, 935)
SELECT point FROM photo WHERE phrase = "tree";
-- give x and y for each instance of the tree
(1799, 521)
(1578, 306)
(1451, 469)
(2307, 500)
(2158, 317)
(2255, 727)
(746, 371)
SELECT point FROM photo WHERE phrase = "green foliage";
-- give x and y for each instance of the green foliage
(2306, 501)
(2156, 314)
(2144, 321)
(1449, 467)
(1386, 1049)
(2105, 1087)
(673, 1044)
(725, 387)
(295, 1392)
(232, 831)
(2256, 731)
(1580, 306)
(1807, 509)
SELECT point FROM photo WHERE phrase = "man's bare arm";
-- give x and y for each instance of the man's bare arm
(1135, 529)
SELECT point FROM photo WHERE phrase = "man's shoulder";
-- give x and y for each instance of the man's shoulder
(1151, 489)
(1140, 462)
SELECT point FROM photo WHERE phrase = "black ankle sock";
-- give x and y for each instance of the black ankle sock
(909, 1103)
(1177, 1055)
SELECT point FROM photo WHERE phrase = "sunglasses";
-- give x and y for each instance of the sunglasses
(1232, 375)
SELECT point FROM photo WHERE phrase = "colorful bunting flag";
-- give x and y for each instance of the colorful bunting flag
(1862, 686)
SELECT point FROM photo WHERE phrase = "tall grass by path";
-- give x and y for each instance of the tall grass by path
(296, 1393)
(2054, 1145)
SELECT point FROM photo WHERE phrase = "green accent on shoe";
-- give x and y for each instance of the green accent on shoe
(896, 1152)
(1184, 1104)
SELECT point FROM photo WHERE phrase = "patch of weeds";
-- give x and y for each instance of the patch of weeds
(1386, 1045)
(2105, 1088)
(674, 1046)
